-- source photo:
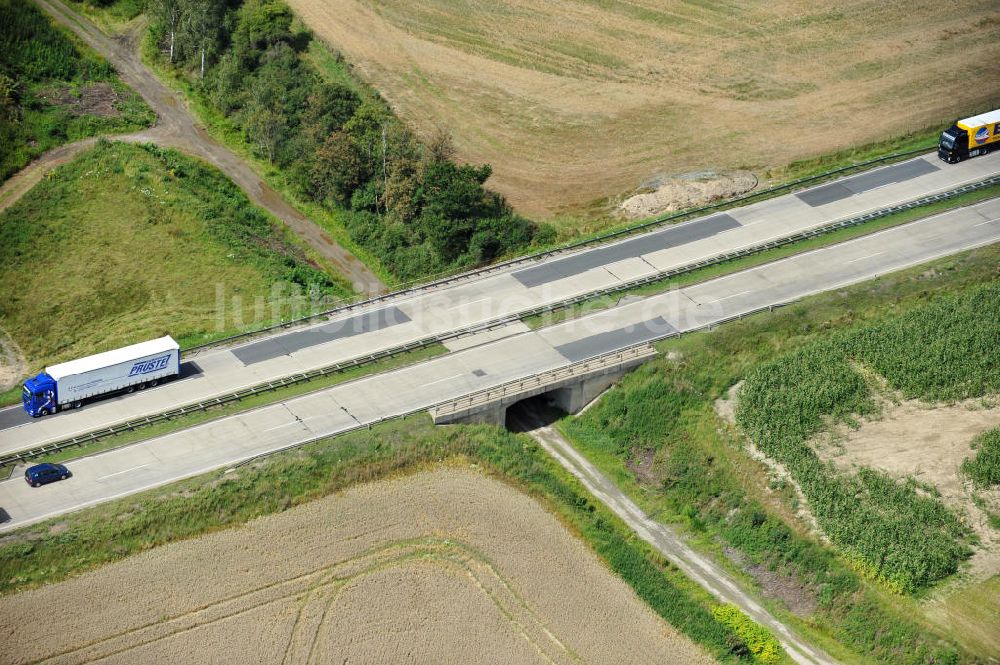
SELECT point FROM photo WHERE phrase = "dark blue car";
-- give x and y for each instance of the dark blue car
(40, 474)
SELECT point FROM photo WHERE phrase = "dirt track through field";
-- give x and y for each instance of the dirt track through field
(697, 567)
(574, 101)
(446, 566)
(176, 128)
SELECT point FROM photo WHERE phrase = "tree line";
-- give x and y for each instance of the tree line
(407, 203)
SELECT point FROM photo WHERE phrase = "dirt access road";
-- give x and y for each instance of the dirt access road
(699, 568)
(176, 128)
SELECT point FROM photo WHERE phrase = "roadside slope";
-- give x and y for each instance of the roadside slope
(176, 128)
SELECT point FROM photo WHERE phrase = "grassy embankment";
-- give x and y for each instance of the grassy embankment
(106, 533)
(662, 421)
(54, 89)
(129, 242)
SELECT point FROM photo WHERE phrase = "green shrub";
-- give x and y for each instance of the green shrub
(759, 641)
(984, 467)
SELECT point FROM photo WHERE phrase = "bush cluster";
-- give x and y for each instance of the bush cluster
(759, 641)
(983, 468)
(408, 204)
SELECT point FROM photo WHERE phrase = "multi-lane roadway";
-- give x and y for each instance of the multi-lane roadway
(437, 312)
(368, 400)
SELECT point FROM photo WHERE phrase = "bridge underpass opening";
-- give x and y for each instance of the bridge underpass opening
(532, 413)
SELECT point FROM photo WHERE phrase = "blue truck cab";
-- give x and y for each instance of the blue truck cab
(39, 395)
(70, 384)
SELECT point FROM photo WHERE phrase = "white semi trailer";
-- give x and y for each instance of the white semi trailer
(126, 369)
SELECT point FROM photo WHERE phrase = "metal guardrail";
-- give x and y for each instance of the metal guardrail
(517, 387)
(410, 412)
(293, 379)
(418, 287)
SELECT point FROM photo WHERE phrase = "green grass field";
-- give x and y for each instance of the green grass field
(129, 242)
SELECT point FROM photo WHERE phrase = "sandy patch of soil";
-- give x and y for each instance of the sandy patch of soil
(796, 595)
(928, 442)
(445, 566)
(640, 463)
(686, 191)
(577, 102)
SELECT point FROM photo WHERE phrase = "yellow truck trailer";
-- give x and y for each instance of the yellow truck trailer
(969, 137)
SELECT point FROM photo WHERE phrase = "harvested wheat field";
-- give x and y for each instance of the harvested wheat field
(577, 101)
(446, 566)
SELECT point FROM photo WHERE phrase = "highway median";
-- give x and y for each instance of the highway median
(137, 429)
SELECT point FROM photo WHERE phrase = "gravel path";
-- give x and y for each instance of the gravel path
(176, 128)
(700, 569)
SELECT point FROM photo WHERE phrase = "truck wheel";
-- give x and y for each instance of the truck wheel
(142, 386)
(152, 384)
(44, 411)
(130, 389)
(77, 405)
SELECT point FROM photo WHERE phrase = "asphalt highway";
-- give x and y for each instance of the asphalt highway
(414, 317)
(227, 441)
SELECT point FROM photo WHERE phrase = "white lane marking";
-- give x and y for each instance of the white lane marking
(118, 473)
(735, 295)
(447, 378)
(866, 256)
(294, 422)
(988, 221)
(465, 304)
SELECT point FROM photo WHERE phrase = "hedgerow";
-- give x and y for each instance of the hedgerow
(338, 144)
(759, 641)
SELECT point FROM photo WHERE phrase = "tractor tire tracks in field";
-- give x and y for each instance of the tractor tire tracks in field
(694, 565)
(176, 128)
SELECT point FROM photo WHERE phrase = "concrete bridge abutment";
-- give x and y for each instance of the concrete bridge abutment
(569, 388)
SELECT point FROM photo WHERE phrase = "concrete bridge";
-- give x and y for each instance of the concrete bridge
(570, 388)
